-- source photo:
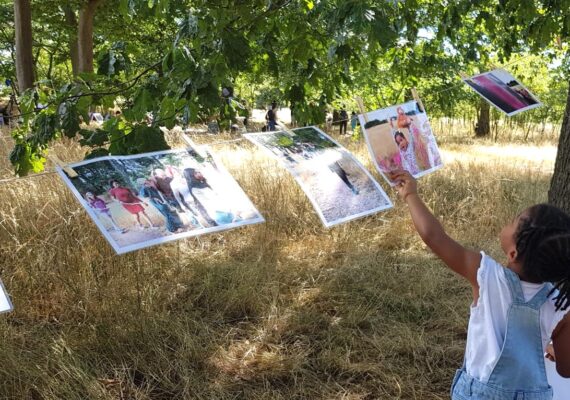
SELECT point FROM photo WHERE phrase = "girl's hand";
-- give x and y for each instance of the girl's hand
(405, 183)
(550, 353)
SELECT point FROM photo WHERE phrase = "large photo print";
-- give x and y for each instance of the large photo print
(337, 185)
(400, 137)
(503, 91)
(147, 199)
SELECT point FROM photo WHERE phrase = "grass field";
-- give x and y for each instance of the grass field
(282, 310)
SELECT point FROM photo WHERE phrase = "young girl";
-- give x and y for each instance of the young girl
(100, 207)
(516, 311)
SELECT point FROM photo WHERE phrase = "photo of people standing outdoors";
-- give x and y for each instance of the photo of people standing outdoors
(147, 199)
(400, 137)
(337, 185)
(503, 91)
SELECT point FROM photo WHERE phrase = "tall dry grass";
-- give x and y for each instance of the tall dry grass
(282, 310)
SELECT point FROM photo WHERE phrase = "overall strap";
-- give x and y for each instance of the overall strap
(514, 286)
(540, 298)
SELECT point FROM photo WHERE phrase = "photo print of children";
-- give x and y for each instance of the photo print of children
(337, 185)
(503, 91)
(400, 137)
(147, 199)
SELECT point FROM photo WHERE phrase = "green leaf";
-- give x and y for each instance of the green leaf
(97, 137)
(97, 153)
(44, 129)
(145, 139)
(142, 103)
(69, 119)
(167, 113)
(83, 104)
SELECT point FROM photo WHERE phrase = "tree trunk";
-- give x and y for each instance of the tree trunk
(71, 21)
(483, 126)
(85, 36)
(559, 193)
(24, 56)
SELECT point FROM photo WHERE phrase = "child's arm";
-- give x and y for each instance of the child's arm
(461, 260)
(561, 343)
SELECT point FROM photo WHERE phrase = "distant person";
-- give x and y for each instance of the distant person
(271, 117)
(517, 309)
(343, 121)
(335, 117)
(353, 121)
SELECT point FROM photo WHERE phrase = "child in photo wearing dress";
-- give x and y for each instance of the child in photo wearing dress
(406, 153)
(100, 207)
(516, 309)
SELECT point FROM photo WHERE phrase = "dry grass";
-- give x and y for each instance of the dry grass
(282, 310)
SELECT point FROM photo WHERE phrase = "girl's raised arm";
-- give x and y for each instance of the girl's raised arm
(461, 260)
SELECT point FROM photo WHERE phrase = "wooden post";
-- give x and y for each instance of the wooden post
(66, 168)
(360, 104)
(417, 99)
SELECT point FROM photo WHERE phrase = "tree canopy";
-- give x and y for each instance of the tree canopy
(164, 62)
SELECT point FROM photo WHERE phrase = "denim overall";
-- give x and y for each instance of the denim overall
(519, 373)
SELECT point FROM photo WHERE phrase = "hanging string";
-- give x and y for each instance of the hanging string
(222, 142)
(51, 172)
(460, 83)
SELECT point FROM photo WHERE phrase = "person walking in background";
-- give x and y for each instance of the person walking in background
(130, 202)
(343, 121)
(516, 309)
(100, 207)
(271, 117)
(353, 121)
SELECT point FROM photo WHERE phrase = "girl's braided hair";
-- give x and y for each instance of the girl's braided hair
(542, 241)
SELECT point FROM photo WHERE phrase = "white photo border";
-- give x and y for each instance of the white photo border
(7, 296)
(306, 190)
(153, 242)
(529, 107)
(371, 152)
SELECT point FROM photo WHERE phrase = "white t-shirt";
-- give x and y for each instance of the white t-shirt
(488, 320)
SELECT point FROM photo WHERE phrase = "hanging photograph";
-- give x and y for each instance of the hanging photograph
(5, 304)
(143, 200)
(400, 137)
(337, 185)
(503, 91)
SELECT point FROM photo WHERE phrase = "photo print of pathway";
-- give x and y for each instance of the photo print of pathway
(503, 91)
(337, 185)
(5, 304)
(146, 199)
(400, 137)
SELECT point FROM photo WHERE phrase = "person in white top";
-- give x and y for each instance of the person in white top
(516, 309)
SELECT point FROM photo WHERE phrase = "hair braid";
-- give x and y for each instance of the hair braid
(543, 246)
